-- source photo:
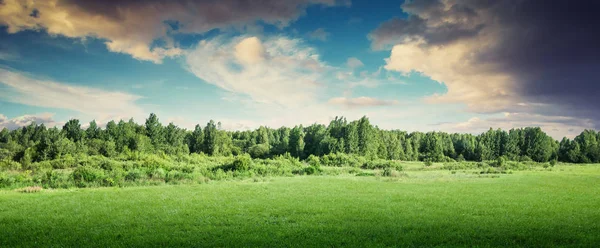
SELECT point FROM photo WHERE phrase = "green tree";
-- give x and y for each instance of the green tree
(196, 142)
(93, 131)
(154, 130)
(72, 130)
(297, 141)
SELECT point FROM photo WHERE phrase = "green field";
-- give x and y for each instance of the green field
(542, 208)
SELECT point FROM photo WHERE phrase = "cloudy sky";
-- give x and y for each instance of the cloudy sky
(422, 65)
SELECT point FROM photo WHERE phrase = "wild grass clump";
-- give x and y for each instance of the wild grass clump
(30, 189)
(391, 172)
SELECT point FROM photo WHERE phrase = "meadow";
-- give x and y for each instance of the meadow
(444, 205)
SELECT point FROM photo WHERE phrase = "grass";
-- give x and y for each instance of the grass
(541, 208)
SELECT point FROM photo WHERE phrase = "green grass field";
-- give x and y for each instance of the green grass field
(540, 208)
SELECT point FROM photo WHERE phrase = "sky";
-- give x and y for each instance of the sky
(421, 65)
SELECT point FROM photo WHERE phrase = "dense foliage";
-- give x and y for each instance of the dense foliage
(36, 143)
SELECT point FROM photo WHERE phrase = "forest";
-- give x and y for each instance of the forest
(37, 143)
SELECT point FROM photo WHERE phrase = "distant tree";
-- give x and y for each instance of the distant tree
(366, 146)
(196, 142)
(72, 130)
(154, 130)
(210, 138)
(297, 141)
(92, 132)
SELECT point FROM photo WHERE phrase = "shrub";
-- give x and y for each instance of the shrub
(115, 178)
(134, 175)
(515, 166)
(553, 162)
(342, 159)
(39, 166)
(110, 165)
(382, 164)
(500, 160)
(6, 180)
(67, 161)
(259, 151)
(58, 179)
(86, 174)
(154, 162)
(313, 160)
(158, 174)
(174, 175)
(311, 170)
(387, 172)
(525, 159)
(428, 162)
(241, 163)
(6, 164)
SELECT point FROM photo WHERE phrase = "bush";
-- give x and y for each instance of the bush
(459, 166)
(58, 179)
(313, 160)
(553, 162)
(382, 164)
(85, 175)
(500, 160)
(525, 159)
(259, 151)
(158, 174)
(6, 180)
(342, 159)
(9, 165)
(387, 172)
(174, 175)
(134, 175)
(428, 162)
(155, 162)
(311, 170)
(241, 163)
(66, 161)
(110, 165)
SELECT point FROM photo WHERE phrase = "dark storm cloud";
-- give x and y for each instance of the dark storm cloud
(550, 48)
(209, 11)
(428, 21)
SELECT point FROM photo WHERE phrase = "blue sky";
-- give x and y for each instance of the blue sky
(295, 62)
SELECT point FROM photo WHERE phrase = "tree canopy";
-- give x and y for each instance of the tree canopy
(34, 143)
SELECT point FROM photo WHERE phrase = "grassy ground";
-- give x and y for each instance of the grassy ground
(420, 208)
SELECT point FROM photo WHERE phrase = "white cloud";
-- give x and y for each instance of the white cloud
(354, 63)
(93, 102)
(481, 88)
(250, 51)
(277, 70)
(20, 121)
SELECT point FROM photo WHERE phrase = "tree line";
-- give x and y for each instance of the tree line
(35, 143)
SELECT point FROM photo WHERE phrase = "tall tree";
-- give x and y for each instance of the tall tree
(92, 132)
(154, 130)
(297, 141)
(72, 130)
